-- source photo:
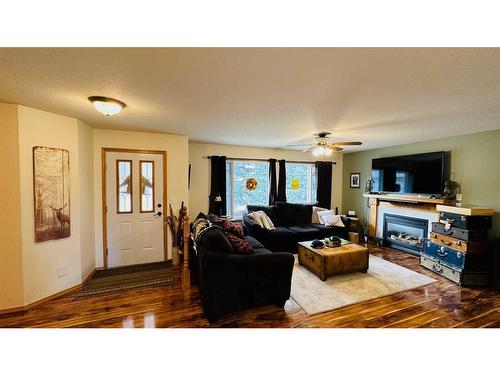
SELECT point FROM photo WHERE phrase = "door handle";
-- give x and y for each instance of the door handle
(158, 214)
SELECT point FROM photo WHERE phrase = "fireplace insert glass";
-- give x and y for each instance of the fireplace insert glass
(405, 233)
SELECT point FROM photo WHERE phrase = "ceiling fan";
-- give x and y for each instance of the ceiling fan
(321, 147)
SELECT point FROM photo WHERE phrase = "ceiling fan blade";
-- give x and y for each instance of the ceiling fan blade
(309, 149)
(348, 143)
(335, 148)
(298, 145)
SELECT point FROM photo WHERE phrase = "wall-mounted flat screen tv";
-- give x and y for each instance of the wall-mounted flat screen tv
(410, 174)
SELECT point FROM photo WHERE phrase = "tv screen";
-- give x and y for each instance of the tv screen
(410, 174)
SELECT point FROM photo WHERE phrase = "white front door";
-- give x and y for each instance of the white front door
(134, 208)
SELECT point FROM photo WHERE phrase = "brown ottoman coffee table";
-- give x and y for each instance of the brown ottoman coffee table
(330, 261)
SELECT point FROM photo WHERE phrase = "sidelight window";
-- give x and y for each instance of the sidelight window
(147, 185)
(124, 186)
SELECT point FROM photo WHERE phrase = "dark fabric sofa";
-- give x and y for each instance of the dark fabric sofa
(231, 282)
(293, 225)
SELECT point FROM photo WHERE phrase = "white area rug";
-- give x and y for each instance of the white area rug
(382, 279)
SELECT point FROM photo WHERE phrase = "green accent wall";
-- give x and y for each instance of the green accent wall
(475, 164)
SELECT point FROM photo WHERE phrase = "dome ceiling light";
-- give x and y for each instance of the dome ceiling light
(107, 106)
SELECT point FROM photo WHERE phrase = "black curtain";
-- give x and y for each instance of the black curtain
(217, 185)
(282, 182)
(273, 195)
(324, 187)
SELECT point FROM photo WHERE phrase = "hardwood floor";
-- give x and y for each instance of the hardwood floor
(441, 304)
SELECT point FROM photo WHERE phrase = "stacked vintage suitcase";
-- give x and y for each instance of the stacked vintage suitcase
(458, 247)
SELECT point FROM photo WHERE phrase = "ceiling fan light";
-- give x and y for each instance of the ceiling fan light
(107, 106)
(317, 151)
(322, 151)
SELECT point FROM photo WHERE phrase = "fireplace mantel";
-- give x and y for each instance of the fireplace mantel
(413, 201)
(406, 198)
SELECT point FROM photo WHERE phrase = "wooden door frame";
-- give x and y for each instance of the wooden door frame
(104, 150)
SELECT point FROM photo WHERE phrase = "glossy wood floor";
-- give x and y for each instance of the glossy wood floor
(441, 304)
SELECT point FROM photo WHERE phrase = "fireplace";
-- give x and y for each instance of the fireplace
(405, 233)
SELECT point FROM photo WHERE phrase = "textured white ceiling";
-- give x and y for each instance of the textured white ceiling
(266, 96)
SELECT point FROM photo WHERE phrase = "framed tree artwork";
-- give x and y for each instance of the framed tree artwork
(51, 193)
(355, 178)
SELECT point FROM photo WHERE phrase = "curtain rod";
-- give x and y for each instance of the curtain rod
(257, 159)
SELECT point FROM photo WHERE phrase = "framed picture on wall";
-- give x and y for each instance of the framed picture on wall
(51, 193)
(355, 177)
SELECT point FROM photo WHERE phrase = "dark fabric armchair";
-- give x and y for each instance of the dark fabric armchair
(231, 282)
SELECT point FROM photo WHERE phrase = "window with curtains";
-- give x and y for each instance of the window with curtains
(301, 182)
(247, 182)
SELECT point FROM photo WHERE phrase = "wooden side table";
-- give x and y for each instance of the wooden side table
(355, 230)
(355, 225)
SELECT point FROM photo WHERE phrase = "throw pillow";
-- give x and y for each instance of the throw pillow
(329, 219)
(234, 228)
(269, 210)
(214, 239)
(262, 219)
(240, 246)
(291, 214)
(315, 217)
(257, 217)
(198, 227)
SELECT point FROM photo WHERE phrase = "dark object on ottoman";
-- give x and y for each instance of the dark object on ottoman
(232, 282)
(293, 225)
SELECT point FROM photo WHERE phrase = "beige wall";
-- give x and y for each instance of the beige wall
(42, 260)
(11, 260)
(475, 163)
(200, 167)
(86, 180)
(29, 270)
(177, 170)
